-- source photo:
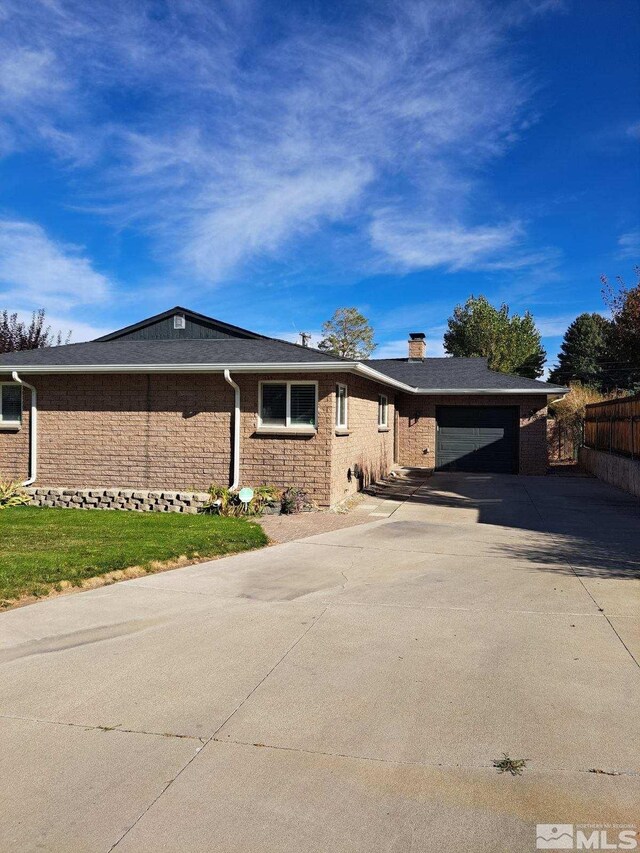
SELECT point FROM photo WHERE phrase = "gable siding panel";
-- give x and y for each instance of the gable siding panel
(163, 330)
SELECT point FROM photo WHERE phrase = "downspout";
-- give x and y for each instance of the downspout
(236, 432)
(33, 430)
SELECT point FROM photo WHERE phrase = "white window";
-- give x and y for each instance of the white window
(341, 406)
(383, 411)
(179, 321)
(10, 405)
(292, 405)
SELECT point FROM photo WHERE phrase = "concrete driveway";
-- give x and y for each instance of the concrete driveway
(345, 692)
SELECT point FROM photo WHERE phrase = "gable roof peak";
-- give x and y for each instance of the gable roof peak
(202, 320)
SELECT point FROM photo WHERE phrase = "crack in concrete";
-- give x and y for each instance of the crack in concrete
(420, 607)
(442, 764)
(585, 587)
(89, 727)
(211, 737)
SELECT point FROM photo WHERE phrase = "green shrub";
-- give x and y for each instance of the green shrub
(12, 494)
(225, 502)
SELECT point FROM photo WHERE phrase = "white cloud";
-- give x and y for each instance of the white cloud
(554, 327)
(391, 349)
(629, 245)
(634, 130)
(269, 210)
(238, 145)
(37, 272)
(80, 331)
(420, 244)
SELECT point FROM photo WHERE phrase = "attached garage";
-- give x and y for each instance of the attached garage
(477, 439)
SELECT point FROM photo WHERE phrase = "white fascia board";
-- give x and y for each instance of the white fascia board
(545, 392)
(283, 367)
(263, 367)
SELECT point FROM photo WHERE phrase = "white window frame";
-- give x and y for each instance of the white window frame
(11, 424)
(383, 411)
(288, 426)
(345, 423)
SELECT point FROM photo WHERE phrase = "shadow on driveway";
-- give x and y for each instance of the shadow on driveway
(582, 522)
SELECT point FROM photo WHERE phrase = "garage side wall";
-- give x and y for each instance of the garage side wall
(417, 427)
(363, 444)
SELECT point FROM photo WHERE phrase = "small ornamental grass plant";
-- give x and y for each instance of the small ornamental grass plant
(12, 494)
(225, 502)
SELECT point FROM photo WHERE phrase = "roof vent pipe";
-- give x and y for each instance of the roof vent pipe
(417, 346)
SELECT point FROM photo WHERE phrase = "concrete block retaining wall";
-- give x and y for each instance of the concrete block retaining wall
(617, 470)
(138, 500)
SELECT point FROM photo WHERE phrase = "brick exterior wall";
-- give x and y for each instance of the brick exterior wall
(154, 431)
(174, 431)
(362, 443)
(14, 444)
(319, 463)
(417, 427)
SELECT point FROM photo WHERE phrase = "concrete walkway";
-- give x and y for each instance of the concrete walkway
(344, 692)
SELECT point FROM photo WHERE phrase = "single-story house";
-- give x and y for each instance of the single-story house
(181, 400)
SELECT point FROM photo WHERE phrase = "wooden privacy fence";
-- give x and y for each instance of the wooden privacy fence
(614, 426)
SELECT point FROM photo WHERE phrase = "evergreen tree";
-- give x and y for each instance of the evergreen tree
(584, 352)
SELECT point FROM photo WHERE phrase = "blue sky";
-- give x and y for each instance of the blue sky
(266, 163)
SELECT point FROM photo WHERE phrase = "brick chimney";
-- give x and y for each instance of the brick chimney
(417, 346)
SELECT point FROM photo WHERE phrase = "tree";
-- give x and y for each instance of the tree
(16, 335)
(569, 411)
(584, 352)
(510, 343)
(347, 334)
(624, 304)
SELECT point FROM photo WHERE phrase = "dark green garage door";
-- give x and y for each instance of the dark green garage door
(477, 438)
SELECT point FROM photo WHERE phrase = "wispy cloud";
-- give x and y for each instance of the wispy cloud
(629, 245)
(78, 329)
(38, 272)
(228, 147)
(420, 244)
(633, 130)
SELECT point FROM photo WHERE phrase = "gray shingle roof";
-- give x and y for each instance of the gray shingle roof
(456, 374)
(432, 373)
(212, 351)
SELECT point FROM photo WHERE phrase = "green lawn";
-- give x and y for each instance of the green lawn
(39, 548)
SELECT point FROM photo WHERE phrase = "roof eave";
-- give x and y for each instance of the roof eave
(278, 367)
(248, 367)
(453, 391)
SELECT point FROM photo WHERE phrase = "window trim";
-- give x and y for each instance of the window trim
(345, 424)
(288, 426)
(383, 412)
(11, 424)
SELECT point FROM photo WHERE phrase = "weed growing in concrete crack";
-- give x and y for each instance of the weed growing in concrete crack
(515, 766)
